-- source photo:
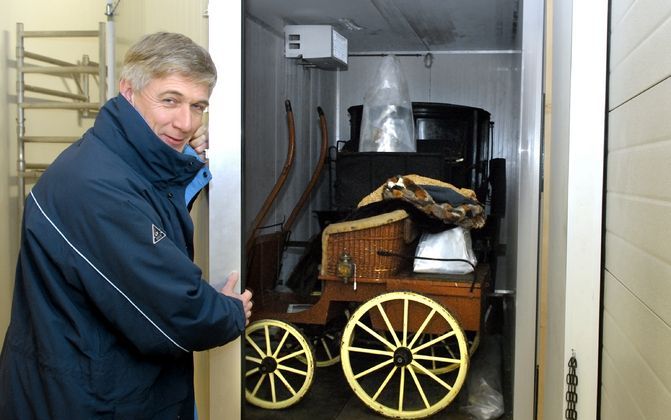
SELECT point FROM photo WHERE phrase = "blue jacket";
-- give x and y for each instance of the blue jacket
(108, 305)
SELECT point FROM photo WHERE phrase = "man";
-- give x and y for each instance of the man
(108, 305)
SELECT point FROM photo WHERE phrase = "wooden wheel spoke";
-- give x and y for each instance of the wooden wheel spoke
(272, 388)
(401, 389)
(449, 350)
(253, 359)
(292, 370)
(433, 353)
(373, 369)
(255, 346)
(431, 375)
(291, 355)
(371, 351)
(279, 346)
(445, 345)
(434, 341)
(405, 322)
(420, 331)
(435, 358)
(375, 334)
(326, 349)
(266, 332)
(258, 384)
(419, 388)
(389, 326)
(285, 382)
(384, 383)
(251, 371)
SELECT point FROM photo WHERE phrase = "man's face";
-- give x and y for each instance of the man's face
(172, 106)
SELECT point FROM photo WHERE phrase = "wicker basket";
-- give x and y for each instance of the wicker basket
(362, 239)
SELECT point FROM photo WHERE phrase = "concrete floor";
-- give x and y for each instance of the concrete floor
(331, 397)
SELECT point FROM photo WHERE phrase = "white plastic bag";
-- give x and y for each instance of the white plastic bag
(484, 402)
(483, 382)
(386, 122)
(454, 243)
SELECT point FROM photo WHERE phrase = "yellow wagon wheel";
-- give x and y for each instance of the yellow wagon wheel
(326, 345)
(383, 372)
(325, 339)
(275, 375)
(446, 348)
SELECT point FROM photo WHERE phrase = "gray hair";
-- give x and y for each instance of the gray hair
(162, 54)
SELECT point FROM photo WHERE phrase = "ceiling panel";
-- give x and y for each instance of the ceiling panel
(402, 25)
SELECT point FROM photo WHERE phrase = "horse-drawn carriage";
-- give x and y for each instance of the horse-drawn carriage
(403, 338)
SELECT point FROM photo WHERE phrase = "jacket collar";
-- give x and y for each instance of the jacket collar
(123, 130)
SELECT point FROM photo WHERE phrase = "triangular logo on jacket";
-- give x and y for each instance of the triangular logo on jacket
(157, 234)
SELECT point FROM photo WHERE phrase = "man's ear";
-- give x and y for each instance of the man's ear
(126, 90)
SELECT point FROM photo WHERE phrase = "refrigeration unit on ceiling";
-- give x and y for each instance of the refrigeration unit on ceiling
(319, 45)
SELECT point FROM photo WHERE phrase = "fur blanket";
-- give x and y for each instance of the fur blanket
(433, 199)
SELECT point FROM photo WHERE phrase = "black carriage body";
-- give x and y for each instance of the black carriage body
(453, 145)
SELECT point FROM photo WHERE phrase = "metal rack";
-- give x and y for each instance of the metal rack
(82, 73)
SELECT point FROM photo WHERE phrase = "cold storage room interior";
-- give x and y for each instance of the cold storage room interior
(316, 200)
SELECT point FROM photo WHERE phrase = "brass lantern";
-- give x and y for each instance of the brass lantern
(345, 267)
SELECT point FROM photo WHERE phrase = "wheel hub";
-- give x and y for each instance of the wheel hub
(268, 365)
(402, 356)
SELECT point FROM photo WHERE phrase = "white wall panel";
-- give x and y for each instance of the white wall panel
(265, 144)
(137, 18)
(646, 65)
(637, 341)
(487, 81)
(270, 79)
(645, 276)
(638, 22)
(618, 10)
(644, 120)
(636, 369)
(642, 222)
(616, 402)
(646, 161)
